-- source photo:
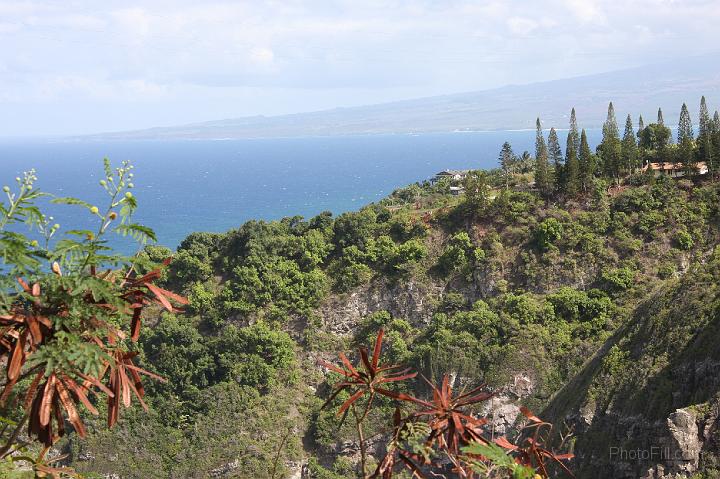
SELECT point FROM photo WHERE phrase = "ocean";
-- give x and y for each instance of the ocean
(216, 185)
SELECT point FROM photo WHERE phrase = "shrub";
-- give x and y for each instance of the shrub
(347, 274)
(667, 270)
(255, 356)
(444, 425)
(684, 240)
(548, 232)
(618, 279)
(354, 228)
(460, 255)
(452, 302)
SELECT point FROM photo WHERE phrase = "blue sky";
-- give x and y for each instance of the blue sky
(71, 67)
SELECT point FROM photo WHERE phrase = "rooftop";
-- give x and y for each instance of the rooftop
(452, 172)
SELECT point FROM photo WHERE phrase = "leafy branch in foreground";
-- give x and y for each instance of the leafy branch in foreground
(364, 380)
(70, 315)
(441, 436)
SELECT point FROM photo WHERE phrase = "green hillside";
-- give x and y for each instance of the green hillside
(561, 294)
(581, 285)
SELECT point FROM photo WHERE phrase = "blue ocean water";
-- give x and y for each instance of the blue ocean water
(204, 185)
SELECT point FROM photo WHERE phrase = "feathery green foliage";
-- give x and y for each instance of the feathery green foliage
(63, 323)
(610, 147)
(556, 157)
(629, 148)
(543, 174)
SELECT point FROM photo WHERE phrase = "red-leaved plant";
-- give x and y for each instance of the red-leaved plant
(441, 436)
(68, 331)
(364, 380)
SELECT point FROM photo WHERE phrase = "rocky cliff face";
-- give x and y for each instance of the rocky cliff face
(657, 419)
(409, 300)
(636, 447)
(648, 404)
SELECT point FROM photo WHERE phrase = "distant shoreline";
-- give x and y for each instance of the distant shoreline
(113, 137)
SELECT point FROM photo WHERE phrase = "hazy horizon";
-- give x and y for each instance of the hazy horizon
(83, 68)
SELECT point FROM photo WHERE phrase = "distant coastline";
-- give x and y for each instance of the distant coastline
(511, 108)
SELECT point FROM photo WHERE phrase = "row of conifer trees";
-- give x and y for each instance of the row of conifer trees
(617, 157)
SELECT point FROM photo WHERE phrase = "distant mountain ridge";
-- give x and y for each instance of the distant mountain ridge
(637, 91)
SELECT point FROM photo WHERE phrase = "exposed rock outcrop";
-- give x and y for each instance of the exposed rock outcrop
(504, 408)
(409, 300)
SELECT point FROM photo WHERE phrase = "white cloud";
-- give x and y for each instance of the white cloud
(587, 11)
(73, 21)
(158, 50)
(522, 25)
(18, 8)
(8, 27)
(134, 23)
(83, 88)
(262, 56)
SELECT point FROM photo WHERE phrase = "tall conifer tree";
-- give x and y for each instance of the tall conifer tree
(716, 144)
(685, 141)
(610, 148)
(641, 152)
(556, 157)
(543, 179)
(507, 162)
(572, 166)
(629, 147)
(574, 133)
(704, 123)
(662, 138)
(685, 129)
(705, 134)
(587, 168)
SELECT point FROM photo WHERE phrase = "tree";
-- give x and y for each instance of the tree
(543, 176)
(573, 133)
(354, 228)
(255, 355)
(476, 191)
(685, 129)
(660, 120)
(716, 142)
(654, 141)
(610, 147)
(705, 135)
(547, 232)
(572, 166)
(629, 147)
(507, 162)
(587, 166)
(555, 155)
(641, 152)
(526, 163)
(685, 141)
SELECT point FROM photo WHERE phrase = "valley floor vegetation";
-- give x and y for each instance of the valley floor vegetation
(543, 273)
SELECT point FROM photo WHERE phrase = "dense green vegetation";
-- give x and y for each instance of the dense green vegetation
(531, 283)
(537, 267)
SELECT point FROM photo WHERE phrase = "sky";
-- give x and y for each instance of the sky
(75, 67)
